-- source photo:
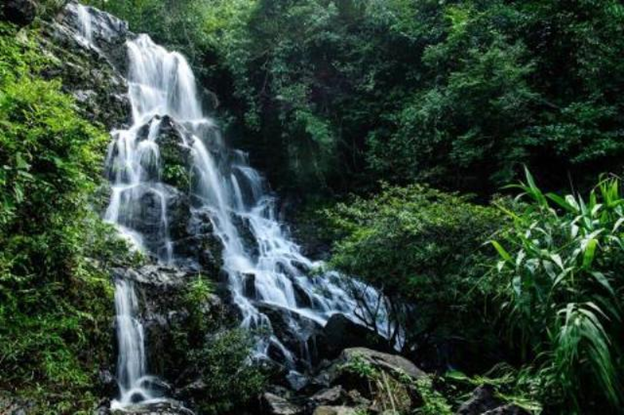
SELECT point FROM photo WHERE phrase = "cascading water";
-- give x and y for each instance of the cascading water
(133, 382)
(264, 267)
(86, 25)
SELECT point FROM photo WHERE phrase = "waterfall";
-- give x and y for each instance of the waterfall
(257, 251)
(134, 384)
(85, 22)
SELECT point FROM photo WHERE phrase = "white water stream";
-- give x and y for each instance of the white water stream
(232, 194)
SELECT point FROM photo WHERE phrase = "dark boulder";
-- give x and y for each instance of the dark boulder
(19, 12)
(331, 396)
(336, 410)
(155, 202)
(507, 410)
(15, 406)
(481, 400)
(342, 333)
(168, 407)
(335, 373)
(301, 296)
(107, 383)
(200, 247)
(293, 330)
(249, 286)
(273, 404)
(484, 401)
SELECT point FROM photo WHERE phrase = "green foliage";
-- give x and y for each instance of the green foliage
(510, 385)
(390, 390)
(176, 23)
(178, 176)
(562, 292)
(55, 292)
(199, 290)
(457, 94)
(423, 247)
(433, 402)
(225, 367)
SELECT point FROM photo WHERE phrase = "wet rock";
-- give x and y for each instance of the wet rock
(86, 71)
(335, 410)
(161, 214)
(103, 407)
(332, 396)
(249, 286)
(173, 143)
(341, 333)
(108, 383)
(178, 214)
(109, 33)
(507, 410)
(246, 234)
(302, 297)
(202, 247)
(334, 374)
(273, 404)
(19, 12)
(481, 401)
(10, 405)
(168, 407)
(297, 381)
(292, 329)
(484, 402)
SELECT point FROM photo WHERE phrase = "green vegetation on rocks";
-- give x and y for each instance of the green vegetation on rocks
(55, 291)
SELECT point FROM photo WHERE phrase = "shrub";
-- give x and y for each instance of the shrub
(231, 379)
(561, 290)
(421, 247)
(55, 292)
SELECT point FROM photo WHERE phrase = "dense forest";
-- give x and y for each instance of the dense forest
(461, 159)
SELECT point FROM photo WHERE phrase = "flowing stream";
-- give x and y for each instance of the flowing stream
(264, 267)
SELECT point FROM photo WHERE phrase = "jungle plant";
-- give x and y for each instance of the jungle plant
(561, 290)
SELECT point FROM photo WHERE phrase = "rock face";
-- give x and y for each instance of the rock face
(14, 406)
(335, 374)
(19, 12)
(295, 332)
(91, 72)
(335, 410)
(273, 404)
(341, 333)
(338, 389)
(484, 402)
(165, 314)
(169, 407)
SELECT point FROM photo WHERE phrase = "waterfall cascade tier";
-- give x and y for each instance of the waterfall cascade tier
(265, 269)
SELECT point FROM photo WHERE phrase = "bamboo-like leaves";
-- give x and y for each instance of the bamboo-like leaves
(562, 287)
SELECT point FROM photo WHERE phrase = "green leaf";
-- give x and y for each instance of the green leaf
(501, 251)
(562, 202)
(602, 280)
(590, 250)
